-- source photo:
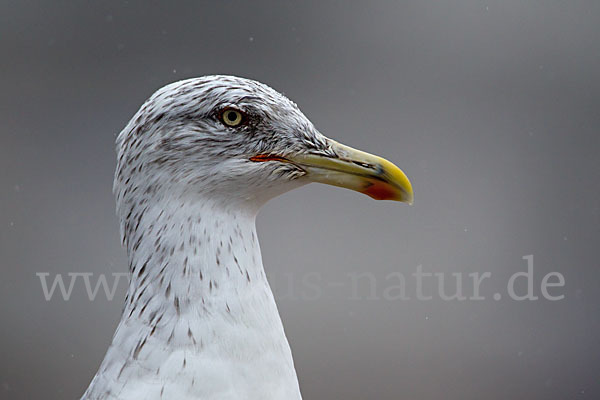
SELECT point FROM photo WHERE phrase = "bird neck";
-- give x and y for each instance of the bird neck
(199, 306)
(194, 253)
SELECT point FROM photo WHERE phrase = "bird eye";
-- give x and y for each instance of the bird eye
(231, 117)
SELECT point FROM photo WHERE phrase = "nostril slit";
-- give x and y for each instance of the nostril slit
(364, 165)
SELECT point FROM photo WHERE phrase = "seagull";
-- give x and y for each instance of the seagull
(194, 166)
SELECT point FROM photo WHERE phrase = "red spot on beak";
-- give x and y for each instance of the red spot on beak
(380, 191)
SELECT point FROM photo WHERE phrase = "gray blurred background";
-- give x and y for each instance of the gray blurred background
(492, 108)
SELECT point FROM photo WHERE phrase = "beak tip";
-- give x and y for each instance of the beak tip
(407, 198)
(410, 198)
(410, 201)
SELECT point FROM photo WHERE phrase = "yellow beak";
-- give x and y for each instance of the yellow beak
(357, 170)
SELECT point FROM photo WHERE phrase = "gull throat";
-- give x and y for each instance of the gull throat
(200, 320)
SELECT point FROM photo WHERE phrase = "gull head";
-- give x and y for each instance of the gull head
(237, 141)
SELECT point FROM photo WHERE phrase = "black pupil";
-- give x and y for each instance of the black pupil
(231, 116)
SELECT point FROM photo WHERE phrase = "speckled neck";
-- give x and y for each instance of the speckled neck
(193, 253)
(198, 308)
